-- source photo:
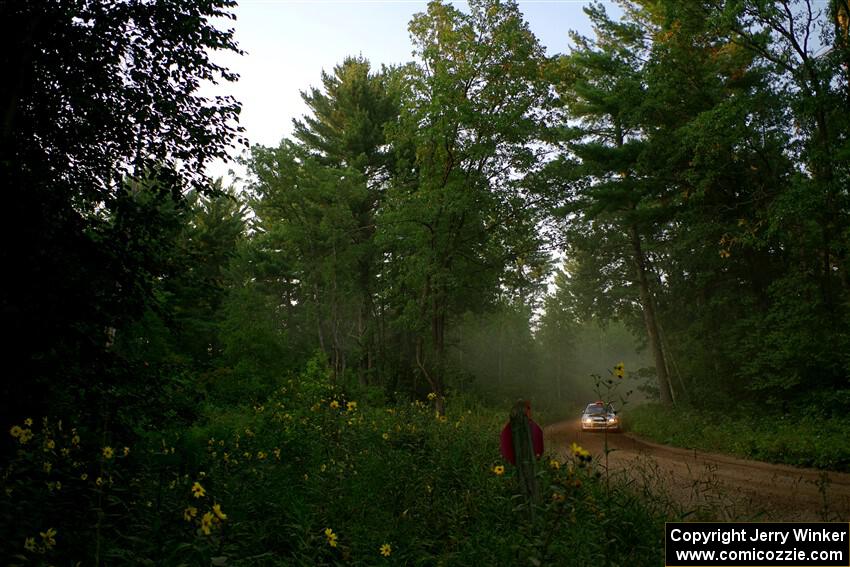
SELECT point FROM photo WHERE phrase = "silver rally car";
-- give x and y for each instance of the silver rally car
(599, 416)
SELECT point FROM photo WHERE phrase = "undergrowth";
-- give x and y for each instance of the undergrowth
(314, 475)
(803, 440)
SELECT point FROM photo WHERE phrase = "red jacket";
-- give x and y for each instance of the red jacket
(507, 445)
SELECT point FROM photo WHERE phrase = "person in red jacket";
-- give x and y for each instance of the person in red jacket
(506, 441)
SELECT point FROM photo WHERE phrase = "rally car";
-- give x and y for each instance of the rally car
(599, 416)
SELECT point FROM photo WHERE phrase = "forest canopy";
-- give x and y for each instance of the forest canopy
(681, 174)
(683, 171)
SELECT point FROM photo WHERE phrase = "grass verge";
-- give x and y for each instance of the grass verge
(800, 440)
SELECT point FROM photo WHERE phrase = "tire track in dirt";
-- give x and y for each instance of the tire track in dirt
(712, 486)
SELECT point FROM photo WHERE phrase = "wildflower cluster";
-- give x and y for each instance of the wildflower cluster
(46, 542)
(50, 471)
(210, 519)
(581, 454)
(568, 478)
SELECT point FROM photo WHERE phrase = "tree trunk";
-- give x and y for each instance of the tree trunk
(363, 347)
(650, 320)
(439, 337)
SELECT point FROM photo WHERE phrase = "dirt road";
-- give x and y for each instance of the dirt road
(714, 486)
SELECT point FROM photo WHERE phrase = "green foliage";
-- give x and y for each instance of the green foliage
(316, 200)
(681, 137)
(398, 207)
(689, 161)
(806, 437)
(311, 475)
(457, 228)
(96, 93)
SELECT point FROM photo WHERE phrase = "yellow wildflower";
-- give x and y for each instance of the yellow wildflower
(620, 370)
(198, 490)
(217, 509)
(554, 464)
(48, 467)
(277, 453)
(386, 436)
(75, 440)
(50, 444)
(99, 481)
(579, 451)
(499, 470)
(386, 550)
(351, 406)
(48, 538)
(26, 435)
(84, 476)
(65, 451)
(332, 537)
(126, 451)
(28, 422)
(432, 396)
(29, 544)
(190, 513)
(108, 453)
(334, 404)
(261, 455)
(16, 431)
(206, 523)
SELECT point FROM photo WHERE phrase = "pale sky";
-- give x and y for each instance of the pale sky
(289, 42)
